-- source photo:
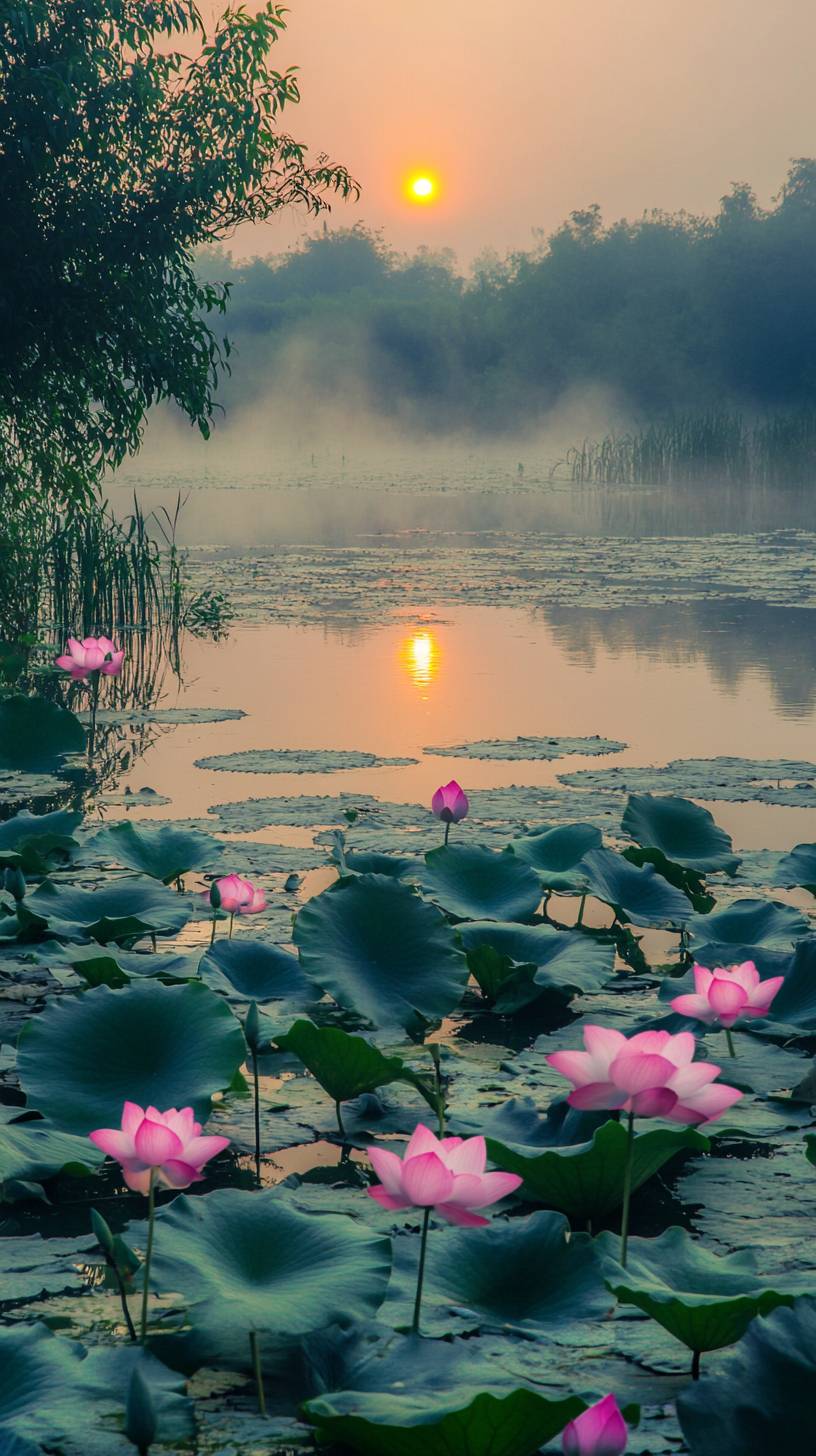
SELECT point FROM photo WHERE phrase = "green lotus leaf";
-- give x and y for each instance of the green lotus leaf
(84, 1056)
(556, 854)
(35, 733)
(462, 1424)
(522, 1275)
(794, 1004)
(705, 1300)
(345, 1065)
(585, 1181)
(684, 832)
(520, 1125)
(751, 922)
(474, 883)
(691, 882)
(250, 1261)
(514, 964)
(32, 1151)
(639, 895)
(37, 842)
(761, 1398)
(251, 970)
(163, 851)
(798, 868)
(381, 951)
(99, 966)
(120, 911)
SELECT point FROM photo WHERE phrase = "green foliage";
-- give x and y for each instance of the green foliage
(33, 1151)
(636, 894)
(128, 137)
(515, 964)
(474, 883)
(684, 832)
(35, 733)
(343, 1064)
(161, 851)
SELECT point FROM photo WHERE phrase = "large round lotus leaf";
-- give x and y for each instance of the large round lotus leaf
(683, 831)
(639, 895)
(162, 851)
(121, 910)
(798, 868)
(520, 1124)
(751, 922)
(254, 971)
(381, 951)
(84, 1056)
(522, 1274)
(556, 854)
(475, 883)
(705, 1300)
(461, 1424)
(514, 964)
(38, 841)
(795, 1002)
(345, 1065)
(250, 1261)
(761, 1398)
(34, 732)
(585, 1181)
(33, 1150)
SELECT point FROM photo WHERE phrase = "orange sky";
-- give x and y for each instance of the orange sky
(527, 109)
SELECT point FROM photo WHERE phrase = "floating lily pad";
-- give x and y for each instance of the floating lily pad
(250, 1261)
(166, 715)
(705, 1300)
(84, 1056)
(529, 748)
(585, 1181)
(475, 883)
(516, 1424)
(761, 1398)
(523, 1275)
(34, 1266)
(162, 851)
(684, 832)
(38, 842)
(556, 853)
(639, 895)
(32, 1151)
(120, 911)
(35, 733)
(380, 951)
(298, 760)
(253, 971)
(734, 780)
(751, 922)
(514, 964)
(798, 868)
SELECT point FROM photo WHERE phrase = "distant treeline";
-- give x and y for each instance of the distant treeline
(675, 314)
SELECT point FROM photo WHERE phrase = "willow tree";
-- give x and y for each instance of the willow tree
(129, 137)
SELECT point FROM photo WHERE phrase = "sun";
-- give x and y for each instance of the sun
(422, 187)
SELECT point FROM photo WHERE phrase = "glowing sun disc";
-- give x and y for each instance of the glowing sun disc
(422, 188)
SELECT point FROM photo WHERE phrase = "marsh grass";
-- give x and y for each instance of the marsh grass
(709, 448)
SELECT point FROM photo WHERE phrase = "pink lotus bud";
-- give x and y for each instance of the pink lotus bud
(651, 1074)
(727, 994)
(598, 1431)
(169, 1142)
(446, 1174)
(234, 894)
(450, 803)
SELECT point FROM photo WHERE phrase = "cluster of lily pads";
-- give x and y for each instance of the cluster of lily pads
(397, 1294)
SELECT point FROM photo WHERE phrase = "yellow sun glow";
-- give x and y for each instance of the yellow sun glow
(422, 188)
(420, 656)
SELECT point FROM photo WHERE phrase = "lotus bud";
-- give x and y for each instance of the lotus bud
(252, 1027)
(140, 1414)
(15, 883)
(103, 1233)
(215, 896)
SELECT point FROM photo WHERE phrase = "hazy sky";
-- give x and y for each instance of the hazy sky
(527, 109)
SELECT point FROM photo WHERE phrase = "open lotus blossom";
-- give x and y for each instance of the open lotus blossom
(167, 1145)
(598, 1431)
(727, 994)
(92, 654)
(446, 1174)
(651, 1074)
(450, 803)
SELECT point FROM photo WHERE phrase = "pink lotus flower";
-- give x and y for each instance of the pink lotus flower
(92, 654)
(728, 993)
(450, 803)
(445, 1174)
(235, 893)
(169, 1142)
(598, 1431)
(651, 1074)
(255, 904)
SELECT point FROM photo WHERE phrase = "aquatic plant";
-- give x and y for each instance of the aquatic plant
(445, 1176)
(598, 1431)
(92, 654)
(235, 895)
(726, 994)
(450, 804)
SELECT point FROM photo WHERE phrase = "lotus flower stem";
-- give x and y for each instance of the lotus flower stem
(151, 1218)
(426, 1218)
(131, 1328)
(256, 1366)
(729, 1041)
(695, 1364)
(440, 1092)
(627, 1186)
(232, 919)
(212, 932)
(447, 830)
(581, 908)
(94, 706)
(257, 1118)
(342, 1129)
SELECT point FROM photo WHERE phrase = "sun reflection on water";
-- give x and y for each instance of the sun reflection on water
(419, 654)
